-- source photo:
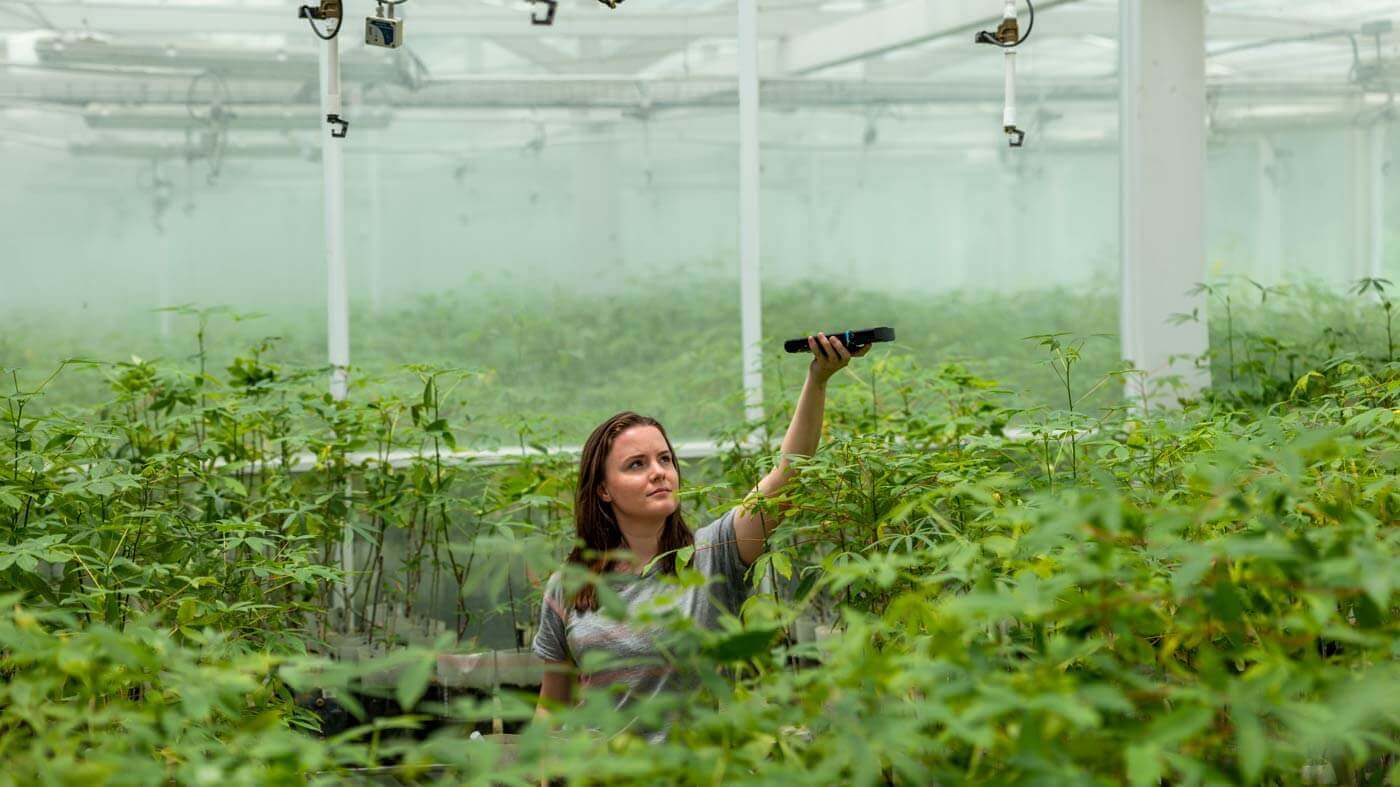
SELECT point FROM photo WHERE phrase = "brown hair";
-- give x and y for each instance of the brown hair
(594, 521)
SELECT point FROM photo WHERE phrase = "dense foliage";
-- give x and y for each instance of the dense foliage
(1200, 593)
(566, 359)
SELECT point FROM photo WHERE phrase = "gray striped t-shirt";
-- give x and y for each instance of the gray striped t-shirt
(568, 635)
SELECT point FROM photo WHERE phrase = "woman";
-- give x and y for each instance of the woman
(627, 500)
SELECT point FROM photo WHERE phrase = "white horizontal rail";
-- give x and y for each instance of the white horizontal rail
(305, 463)
(702, 449)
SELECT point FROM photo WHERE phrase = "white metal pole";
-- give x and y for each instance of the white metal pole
(750, 300)
(1162, 189)
(337, 296)
(333, 172)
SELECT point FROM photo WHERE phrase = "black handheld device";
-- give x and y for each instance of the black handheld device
(854, 340)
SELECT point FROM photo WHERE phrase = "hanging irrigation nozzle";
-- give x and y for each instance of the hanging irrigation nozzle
(1008, 36)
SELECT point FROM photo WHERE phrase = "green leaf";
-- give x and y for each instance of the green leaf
(1224, 601)
(413, 680)
(743, 645)
(1178, 726)
(1368, 615)
(805, 585)
(1192, 569)
(1144, 765)
(189, 609)
(1251, 743)
(782, 564)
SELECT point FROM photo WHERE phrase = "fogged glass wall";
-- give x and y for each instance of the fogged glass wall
(1305, 205)
(920, 217)
(582, 261)
(587, 261)
(97, 244)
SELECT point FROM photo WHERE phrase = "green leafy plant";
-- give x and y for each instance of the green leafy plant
(1378, 286)
(1131, 596)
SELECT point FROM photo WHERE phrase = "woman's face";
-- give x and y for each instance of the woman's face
(640, 479)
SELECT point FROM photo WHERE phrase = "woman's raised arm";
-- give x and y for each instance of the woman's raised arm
(751, 529)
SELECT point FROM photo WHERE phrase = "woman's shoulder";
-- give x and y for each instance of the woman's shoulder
(716, 550)
(716, 530)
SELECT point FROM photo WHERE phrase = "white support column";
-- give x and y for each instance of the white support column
(337, 295)
(1268, 228)
(751, 303)
(1162, 188)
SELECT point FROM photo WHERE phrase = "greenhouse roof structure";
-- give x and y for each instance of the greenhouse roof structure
(652, 56)
(171, 83)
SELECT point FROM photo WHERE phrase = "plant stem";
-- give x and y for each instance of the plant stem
(1230, 337)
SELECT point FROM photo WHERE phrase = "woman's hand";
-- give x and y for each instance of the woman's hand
(830, 356)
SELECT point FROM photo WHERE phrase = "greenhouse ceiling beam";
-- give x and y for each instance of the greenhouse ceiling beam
(1081, 20)
(536, 52)
(621, 58)
(889, 28)
(257, 117)
(156, 19)
(158, 151)
(637, 55)
(626, 94)
(1162, 166)
(914, 22)
(134, 60)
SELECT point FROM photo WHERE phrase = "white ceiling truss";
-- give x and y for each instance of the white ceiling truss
(133, 66)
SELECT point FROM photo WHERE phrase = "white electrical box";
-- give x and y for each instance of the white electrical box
(384, 31)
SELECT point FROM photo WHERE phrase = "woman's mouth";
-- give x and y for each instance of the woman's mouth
(659, 492)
